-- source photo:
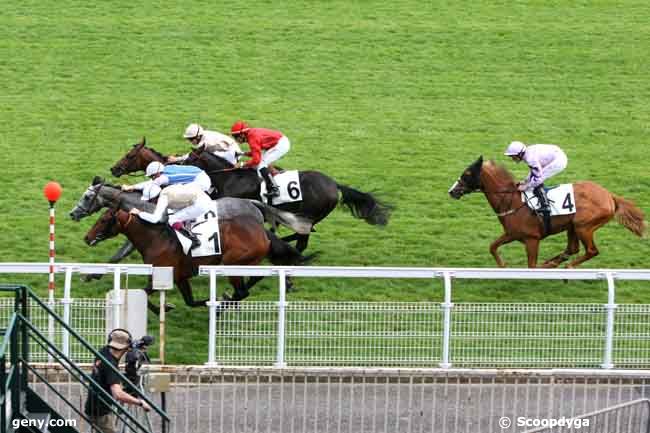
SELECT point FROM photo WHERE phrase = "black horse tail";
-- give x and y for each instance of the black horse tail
(284, 254)
(365, 206)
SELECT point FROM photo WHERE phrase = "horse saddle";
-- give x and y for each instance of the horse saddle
(560, 197)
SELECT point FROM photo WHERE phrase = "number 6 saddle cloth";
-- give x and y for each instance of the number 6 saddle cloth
(560, 198)
(289, 184)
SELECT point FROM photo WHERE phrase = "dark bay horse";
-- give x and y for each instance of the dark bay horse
(320, 192)
(595, 207)
(244, 241)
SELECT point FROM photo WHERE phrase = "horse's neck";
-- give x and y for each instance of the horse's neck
(500, 192)
(144, 236)
(125, 200)
(239, 183)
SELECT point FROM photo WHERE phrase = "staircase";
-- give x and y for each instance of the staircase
(22, 410)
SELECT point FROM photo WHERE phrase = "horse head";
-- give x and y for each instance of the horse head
(107, 226)
(469, 180)
(100, 195)
(136, 159)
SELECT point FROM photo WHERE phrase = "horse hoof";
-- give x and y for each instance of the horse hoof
(169, 307)
(88, 278)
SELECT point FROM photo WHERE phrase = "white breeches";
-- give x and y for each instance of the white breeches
(200, 206)
(275, 153)
(203, 181)
(554, 167)
(229, 155)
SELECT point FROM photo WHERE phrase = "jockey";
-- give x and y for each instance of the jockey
(189, 202)
(163, 175)
(214, 142)
(266, 146)
(544, 161)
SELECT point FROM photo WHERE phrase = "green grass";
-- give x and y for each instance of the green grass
(393, 97)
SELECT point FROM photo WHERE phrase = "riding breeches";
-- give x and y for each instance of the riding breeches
(202, 180)
(556, 166)
(200, 206)
(275, 153)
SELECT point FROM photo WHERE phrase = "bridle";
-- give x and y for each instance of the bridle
(483, 190)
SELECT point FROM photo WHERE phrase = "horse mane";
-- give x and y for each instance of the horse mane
(158, 154)
(500, 171)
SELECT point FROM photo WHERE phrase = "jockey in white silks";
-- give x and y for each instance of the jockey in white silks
(221, 145)
(164, 175)
(187, 200)
(544, 161)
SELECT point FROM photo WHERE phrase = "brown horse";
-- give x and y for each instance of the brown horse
(244, 241)
(595, 207)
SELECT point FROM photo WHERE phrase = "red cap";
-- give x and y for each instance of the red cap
(52, 191)
(239, 127)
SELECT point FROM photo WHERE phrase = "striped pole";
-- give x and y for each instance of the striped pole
(50, 286)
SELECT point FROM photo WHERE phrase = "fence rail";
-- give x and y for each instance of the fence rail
(301, 400)
(428, 334)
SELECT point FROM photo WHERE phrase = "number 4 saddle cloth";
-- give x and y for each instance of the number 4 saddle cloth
(560, 198)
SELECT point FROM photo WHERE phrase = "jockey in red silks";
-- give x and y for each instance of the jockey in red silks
(266, 147)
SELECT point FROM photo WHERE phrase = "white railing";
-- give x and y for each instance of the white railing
(455, 332)
(203, 400)
(90, 314)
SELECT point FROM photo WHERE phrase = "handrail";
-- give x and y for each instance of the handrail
(413, 272)
(600, 412)
(94, 351)
(106, 397)
(61, 396)
(8, 331)
(83, 268)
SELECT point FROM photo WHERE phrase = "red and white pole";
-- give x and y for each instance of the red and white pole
(52, 192)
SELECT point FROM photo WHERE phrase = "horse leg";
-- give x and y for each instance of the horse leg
(532, 250)
(153, 307)
(291, 237)
(586, 236)
(186, 290)
(303, 240)
(505, 238)
(241, 289)
(573, 246)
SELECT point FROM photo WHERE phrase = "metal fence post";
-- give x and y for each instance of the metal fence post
(117, 298)
(611, 310)
(446, 306)
(212, 304)
(279, 358)
(66, 301)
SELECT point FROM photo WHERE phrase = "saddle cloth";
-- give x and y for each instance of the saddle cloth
(289, 184)
(206, 228)
(560, 198)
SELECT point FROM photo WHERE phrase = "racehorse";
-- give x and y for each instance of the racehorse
(244, 241)
(319, 192)
(595, 206)
(100, 195)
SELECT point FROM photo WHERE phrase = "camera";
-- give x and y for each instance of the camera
(136, 357)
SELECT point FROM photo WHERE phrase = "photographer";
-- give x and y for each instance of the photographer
(99, 412)
(134, 360)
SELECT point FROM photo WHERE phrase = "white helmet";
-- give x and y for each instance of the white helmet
(154, 168)
(515, 148)
(193, 130)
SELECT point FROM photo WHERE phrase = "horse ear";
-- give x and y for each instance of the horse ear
(98, 180)
(480, 159)
(144, 140)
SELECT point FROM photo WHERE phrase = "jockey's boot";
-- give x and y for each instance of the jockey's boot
(187, 233)
(544, 207)
(272, 189)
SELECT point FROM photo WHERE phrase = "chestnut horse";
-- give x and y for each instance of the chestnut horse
(595, 207)
(320, 193)
(244, 241)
